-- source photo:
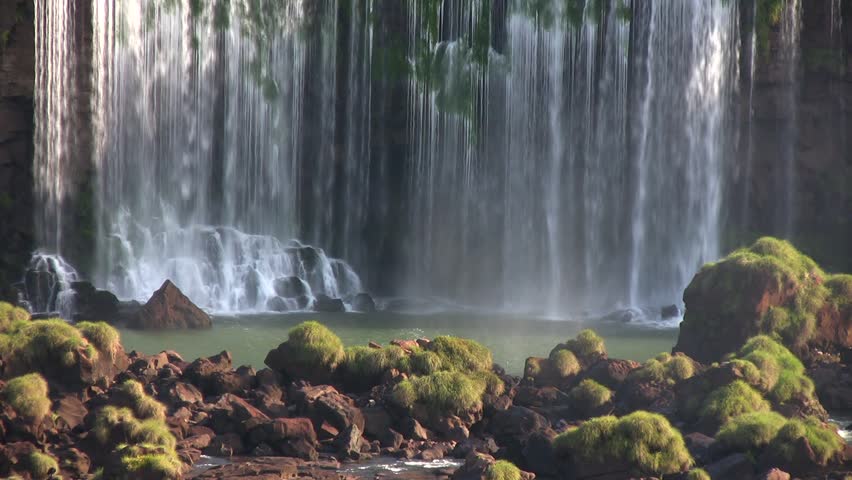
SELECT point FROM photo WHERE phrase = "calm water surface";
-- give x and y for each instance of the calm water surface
(511, 338)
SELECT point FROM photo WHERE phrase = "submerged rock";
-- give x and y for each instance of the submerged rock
(169, 308)
(363, 302)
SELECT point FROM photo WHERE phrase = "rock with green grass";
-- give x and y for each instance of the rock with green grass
(638, 444)
(767, 288)
(588, 347)
(27, 395)
(804, 445)
(11, 315)
(312, 352)
(590, 398)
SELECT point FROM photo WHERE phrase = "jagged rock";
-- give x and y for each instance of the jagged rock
(70, 410)
(610, 372)
(412, 429)
(324, 303)
(733, 467)
(290, 287)
(169, 308)
(476, 467)
(181, 393)
(203, 371)
(363, 302)
(699, 446)
(348, 443)
(225, 445)
(513, 427)
(93, 304)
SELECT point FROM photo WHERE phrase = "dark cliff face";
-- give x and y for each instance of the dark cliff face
(801, 110)
(17, 71)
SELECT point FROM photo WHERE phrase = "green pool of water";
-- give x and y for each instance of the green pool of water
(511, 339)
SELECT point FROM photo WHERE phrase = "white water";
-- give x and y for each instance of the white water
(586, 171)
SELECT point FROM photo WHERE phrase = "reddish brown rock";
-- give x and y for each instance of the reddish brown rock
(169, 308)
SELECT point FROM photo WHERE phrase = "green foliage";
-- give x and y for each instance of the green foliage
(590, 395)
(442, 393)
(11, 315)
(41, 344)
(644, 440)
(461, 354)
(587, 346)
(782, 375)
(840, 286)
(118, 425)
(104, 337)
(39, 465)
(698, 474)
(312, 344)
(424, 362)
(372, 362)
(493, 384)
(732, 400)
(824, 441)
(503, 470)
(27, 395)
(665, 368)
(148, 462)
(750, 432)
(132, 393)
(565, 363)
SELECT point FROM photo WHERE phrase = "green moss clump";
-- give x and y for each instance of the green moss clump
(590, 395)
(587, 346)
(372, 362)
(27, 395)
(750, 432)
(840, 286)
(42, 344)
(503, 470)
(665, 368)
(698, 474)
(312, 344)
(424, 362)
(824, 441)
(462, 354)
(144, 446)
(11, 315)
(533, 367)
(104, 337)
(565, 363)
(149, 462)
(442, 393)
(494, 385)
(39, 465)
(132, 394)
(782, 375)
(732, 400)
(644, 440)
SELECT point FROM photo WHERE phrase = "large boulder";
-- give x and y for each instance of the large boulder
(767, 288)
(93, 304)
(169, 308)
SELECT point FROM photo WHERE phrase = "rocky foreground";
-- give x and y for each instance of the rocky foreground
(76, 405)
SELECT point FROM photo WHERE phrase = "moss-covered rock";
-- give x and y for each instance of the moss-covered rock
(589, 397)
(750, 432)
(664, 368)
(440, 394)
(802, 443)
(768, 288)
(102, 336)
(461, 354)
(10, 314)
(311, 352)
(27, 395)
(641, 443)
(138, 448)
(587, 346)
(41, 466)
(730, 401)
(503, 470)
(565, 363)
(131, 394)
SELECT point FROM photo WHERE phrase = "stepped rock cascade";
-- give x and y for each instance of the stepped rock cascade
(557, 157)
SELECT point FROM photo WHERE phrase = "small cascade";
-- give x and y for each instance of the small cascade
(47, 284)
(224, 269)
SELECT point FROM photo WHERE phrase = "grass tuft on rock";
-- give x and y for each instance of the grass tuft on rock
(590, 395)
(462, 354)
(40, 465)
(732, 400)
(698, 474)
(587, 346)
(565, 363)
(132, 394)
(11, 315)
(27, 395)
(750, 432)
(665, 368)
(424, 362)
(824, 441)
(503, 470)
(781, 374)
(313, 344)
(40, 345)
(442, 393)
(645, 441)
(139, 462)
(104, 337)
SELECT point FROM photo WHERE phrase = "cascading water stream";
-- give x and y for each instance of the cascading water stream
(556, 157)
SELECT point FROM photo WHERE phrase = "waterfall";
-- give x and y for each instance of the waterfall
(556, 157)
(55, 115)
(202, 135)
